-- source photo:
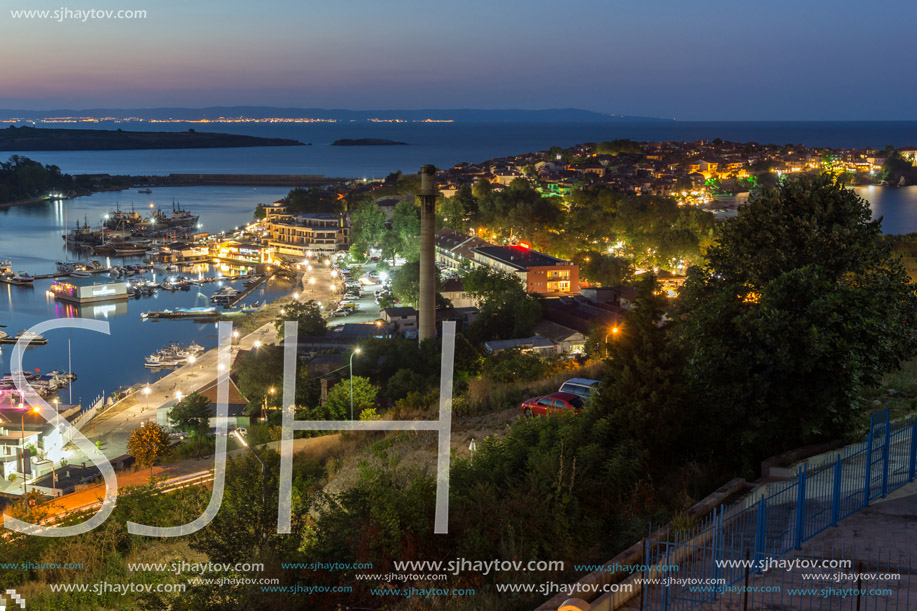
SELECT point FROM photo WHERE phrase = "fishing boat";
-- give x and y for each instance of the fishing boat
(251, 308)
(224, 295)
(173, 355)
(199, 312)
(145, 191)
(131, 249)
(33, 339)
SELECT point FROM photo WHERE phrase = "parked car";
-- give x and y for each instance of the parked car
(555, 403)
(341, 312)
(584, 387)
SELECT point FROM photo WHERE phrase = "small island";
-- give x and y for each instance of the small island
(42, 139)
(367, 142)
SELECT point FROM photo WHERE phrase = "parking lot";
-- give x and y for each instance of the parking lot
(367, 310)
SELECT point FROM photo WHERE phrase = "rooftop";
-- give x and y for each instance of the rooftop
(520, 257)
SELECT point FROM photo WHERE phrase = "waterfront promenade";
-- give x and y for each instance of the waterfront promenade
(115, 424)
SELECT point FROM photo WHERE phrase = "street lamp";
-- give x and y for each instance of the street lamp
(312, 285)
(178, 395)
(146, 394)
(271, 392)
(257, 343)
(355, 351)
(25, 479)
(612, 331)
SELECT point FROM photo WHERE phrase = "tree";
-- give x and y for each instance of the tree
(192, 414)
(484, 283)
(367, 226)
(309, 316)
(451, 213)
(259, 370)
(406, 282)
(147, 444)
(643, 393)
(800, 307)
(313, 200)
(260, 212)
(406, 227)
(606, 270)
(338, 402)
(482, 189)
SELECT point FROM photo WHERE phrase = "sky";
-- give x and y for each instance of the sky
(701, 60)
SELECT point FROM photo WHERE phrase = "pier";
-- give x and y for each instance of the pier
(249, 290)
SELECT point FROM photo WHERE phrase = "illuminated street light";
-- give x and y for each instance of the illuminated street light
(612, 331)
(355, 351)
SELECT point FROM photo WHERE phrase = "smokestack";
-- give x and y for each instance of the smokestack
(427, 302)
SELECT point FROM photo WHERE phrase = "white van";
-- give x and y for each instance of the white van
(583, 387)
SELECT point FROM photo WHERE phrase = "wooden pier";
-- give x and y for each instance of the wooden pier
(248, 291)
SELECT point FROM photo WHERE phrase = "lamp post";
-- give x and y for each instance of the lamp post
(241, 440)
(312, 285)
(612, 331)
(25, 479)
(146, 396)
(355, 351)
(271, 392)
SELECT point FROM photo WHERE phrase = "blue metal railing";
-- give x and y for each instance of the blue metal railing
(785, 516)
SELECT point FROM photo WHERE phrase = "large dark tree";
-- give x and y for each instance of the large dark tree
(644, 395)
(800, 307)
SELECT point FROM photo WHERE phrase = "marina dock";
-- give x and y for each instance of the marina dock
(249, 290)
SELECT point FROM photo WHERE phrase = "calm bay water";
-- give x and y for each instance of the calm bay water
(31, 235)
(442, 144)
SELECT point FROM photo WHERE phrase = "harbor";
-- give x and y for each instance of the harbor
(33, 244)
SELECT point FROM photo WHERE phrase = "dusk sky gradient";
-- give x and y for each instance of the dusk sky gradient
(703, 60)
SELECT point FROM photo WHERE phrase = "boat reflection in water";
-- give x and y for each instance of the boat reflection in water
(99, 311)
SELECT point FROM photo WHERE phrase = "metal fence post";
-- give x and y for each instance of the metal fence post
(913, 471)
(836, 494)
(886, 455)
(868, 466)
(801, 506)
(717, 539)
(761, 529)
(646, 561)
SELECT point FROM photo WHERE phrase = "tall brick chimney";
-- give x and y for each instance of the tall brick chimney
(427, 302)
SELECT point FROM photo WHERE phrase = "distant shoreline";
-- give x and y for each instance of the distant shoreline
(28, 139)
(195, 180)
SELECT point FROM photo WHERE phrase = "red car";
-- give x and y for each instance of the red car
(555, 403)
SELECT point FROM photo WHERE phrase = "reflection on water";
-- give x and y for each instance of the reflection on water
(30, 236)
(896, 205)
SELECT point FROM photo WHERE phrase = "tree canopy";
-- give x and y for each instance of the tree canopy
(800, 306)
(309, 316)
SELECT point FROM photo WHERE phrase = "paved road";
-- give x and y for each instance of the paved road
(114, 426)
